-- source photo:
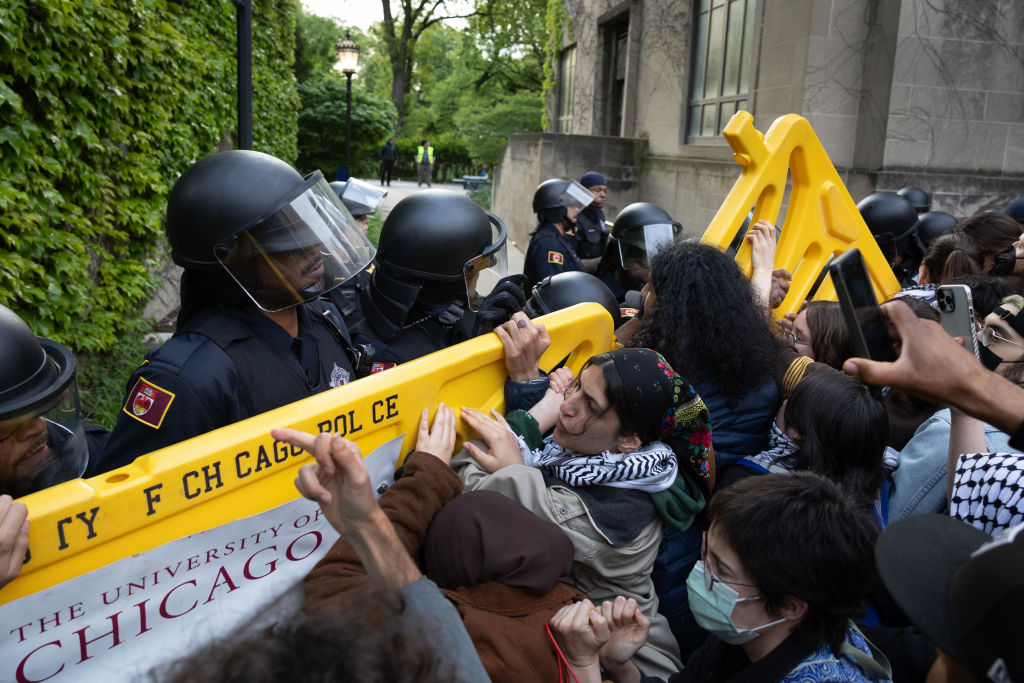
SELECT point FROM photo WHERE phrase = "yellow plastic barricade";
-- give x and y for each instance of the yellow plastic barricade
(821, 217)
(151, 560)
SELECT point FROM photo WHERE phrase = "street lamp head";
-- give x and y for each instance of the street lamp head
(348, 55)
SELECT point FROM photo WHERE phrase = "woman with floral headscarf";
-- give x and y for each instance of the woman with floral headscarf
(627, 431)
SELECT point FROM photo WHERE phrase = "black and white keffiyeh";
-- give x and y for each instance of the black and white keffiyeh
(988, 491)
(651, 468)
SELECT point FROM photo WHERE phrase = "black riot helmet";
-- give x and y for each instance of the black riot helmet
(554, 197)
(282, 238)
(42, 436)
(918, 198)
(893, 222)
(562, 290)
(446, 244)
(641, 230)
(934, 224)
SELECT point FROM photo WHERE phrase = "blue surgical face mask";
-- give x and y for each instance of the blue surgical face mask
(713, 609)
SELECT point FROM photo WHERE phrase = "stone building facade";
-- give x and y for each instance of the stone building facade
(922, 92)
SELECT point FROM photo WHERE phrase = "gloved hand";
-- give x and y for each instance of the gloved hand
(506, 298)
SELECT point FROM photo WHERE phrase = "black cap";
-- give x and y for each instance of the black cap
(962, 588)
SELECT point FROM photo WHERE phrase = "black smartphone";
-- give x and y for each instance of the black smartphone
(864, 319)
(957, 309)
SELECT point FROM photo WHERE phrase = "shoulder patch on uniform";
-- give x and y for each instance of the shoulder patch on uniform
(555, 257)
(148, 403)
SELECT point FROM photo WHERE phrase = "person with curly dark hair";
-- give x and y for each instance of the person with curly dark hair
(701, 313)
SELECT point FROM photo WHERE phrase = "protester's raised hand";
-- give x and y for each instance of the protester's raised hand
(502, 444)
(525, 342)
(545, 411)
(438, 440)
(762, 246)
(581, 630)
(337, 481)
(628, 630)
(13, 538)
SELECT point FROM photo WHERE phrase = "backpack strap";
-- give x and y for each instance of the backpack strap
(876, 665)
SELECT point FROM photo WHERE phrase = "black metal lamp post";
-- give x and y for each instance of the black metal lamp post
(348, 58)
(244, 59)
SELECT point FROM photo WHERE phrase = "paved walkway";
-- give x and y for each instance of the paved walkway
(400, 189)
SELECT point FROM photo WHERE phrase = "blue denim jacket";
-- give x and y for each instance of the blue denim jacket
(919, 484)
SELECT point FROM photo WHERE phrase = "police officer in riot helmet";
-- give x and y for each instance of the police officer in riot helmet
(934, 224)
(639, 231)
(893, 221)
(43, 439)
(361, 199)
(563, 290)
(918, 198)
(440, 278)
(260, 245)
(552, 247)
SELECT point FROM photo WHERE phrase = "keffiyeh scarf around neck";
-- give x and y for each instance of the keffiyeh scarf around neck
(651, 468)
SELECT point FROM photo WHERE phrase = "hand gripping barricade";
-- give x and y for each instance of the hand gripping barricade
(144, 564)
(821, 218)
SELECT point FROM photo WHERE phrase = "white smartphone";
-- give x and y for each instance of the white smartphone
(957, 310)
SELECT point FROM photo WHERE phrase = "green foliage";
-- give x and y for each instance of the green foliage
(102, 376)
(485, 129)
(101, 108)
(322, 127)
(375, 224)
(481, 195)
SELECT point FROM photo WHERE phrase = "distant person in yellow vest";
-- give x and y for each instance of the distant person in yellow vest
(424, 162)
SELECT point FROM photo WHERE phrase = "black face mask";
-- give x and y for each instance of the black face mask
(1005, 261)
(988, 358)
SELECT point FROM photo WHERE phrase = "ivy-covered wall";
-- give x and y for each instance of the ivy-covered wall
(102, 106)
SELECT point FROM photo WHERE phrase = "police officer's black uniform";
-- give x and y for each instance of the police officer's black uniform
(591, 233)
(229, 363)
(549, 253)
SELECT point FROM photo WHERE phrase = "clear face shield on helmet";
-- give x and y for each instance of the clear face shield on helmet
(308, 247)
(362, 195)
(576, 197)
(638, 247)
(483, 272)
(45, 444)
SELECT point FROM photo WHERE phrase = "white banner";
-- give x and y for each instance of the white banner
(121, 621)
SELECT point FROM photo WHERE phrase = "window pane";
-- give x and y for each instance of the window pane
(748, 41)
(700, 56)
(695, 121)
(734, 45)
(707, 128)
(716, 40)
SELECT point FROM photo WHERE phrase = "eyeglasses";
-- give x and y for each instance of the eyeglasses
(988, 334)
(709, 571)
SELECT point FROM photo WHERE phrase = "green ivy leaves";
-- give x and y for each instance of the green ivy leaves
(102, 106)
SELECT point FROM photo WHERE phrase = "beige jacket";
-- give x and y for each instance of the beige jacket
(601, 570)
